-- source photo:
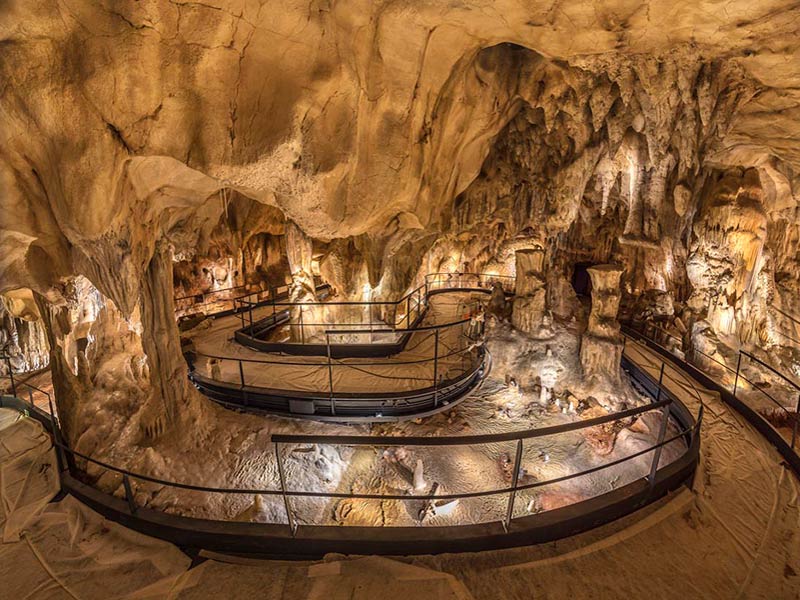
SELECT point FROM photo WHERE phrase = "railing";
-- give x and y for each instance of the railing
(196, 303)
(441, 363)
(27, 395)
(7, 361)
(794, 324)
(740, 383)
(225, 300)
(301, 506)
(371, 322)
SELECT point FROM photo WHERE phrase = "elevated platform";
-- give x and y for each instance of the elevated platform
(364, 371)
(641, 477)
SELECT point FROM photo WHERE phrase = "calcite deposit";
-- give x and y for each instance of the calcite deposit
(530, 295)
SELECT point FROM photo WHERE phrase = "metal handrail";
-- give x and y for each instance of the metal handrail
(683, 378)
(771, 368)
(412, 293)
(320, 494)
(211, 292)
(519, 436)
(792, 416)
(467, 440)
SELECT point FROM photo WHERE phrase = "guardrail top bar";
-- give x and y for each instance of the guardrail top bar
(355, 440)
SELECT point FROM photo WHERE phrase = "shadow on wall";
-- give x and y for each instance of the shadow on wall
(581, 282)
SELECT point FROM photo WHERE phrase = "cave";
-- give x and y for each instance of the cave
(437, 300)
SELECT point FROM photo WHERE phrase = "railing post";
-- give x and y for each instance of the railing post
(126, 482)
(436, 369)
(330, 373)
(11, 376)
(408, 311)
(660, 382)
(250, 305)
(302, 329)
(662, 432)
(514, 481)
(794, 429)
(286, 505)
(241, 381)
(738, 366)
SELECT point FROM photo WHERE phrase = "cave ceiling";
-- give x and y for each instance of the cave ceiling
(121, 121)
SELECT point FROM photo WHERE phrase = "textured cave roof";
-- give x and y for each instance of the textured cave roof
(120, 120)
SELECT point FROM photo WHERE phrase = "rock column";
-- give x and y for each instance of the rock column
(531, 293)
(299, 251)
(601, 346)
(162, 345)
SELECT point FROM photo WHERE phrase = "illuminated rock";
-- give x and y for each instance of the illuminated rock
(530, 301)
(601, 345)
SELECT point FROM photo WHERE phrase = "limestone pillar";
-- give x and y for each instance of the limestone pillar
(162, 345)
(302, 289)
(531, 293)
(601, 346)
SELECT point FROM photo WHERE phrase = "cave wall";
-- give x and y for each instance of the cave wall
(395, 137)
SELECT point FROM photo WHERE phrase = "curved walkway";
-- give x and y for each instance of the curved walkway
(410, 369)
(734, 535)
(439, 365)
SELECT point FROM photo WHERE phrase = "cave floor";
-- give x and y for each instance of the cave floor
(241, 455)
(733, 535)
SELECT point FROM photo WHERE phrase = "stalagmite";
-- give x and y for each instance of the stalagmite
(302, 289)
(530, 302)
(498, 305)
(601, 345)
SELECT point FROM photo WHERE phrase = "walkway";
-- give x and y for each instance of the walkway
(411, 369)
(733, 536)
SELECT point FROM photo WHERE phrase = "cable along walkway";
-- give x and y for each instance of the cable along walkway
(431, 365)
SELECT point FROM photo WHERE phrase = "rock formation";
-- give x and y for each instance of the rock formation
(392, 139)
(531, 295)
(601, 345)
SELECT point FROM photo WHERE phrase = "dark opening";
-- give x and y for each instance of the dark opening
(581, 281)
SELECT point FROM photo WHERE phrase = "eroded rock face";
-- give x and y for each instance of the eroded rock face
(729, 236)
(23, 340)
(395, 138)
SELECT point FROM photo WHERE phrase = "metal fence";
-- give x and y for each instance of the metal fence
(740, 381)
(662, 401)
(353, 322)
(438, 361)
